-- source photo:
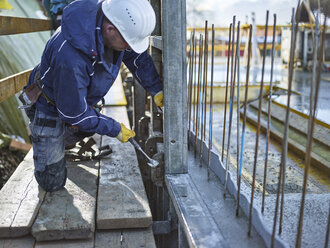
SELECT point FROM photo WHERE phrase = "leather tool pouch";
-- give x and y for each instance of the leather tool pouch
(30, 95)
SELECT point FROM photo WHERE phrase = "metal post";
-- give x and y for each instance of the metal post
(175, 86)
(156, 54)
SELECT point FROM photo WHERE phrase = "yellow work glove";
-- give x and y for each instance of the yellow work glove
(158, 98)
(125, 133)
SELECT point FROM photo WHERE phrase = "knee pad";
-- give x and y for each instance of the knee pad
(53, 177)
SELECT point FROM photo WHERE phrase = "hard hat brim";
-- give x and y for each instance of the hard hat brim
(140, 46)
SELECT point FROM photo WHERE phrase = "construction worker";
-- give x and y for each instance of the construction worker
(78, 66)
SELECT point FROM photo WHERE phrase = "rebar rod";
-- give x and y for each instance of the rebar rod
(206, 69)
(211, 108)
(191, 60)
(194, 82)
(238, 50)
(287, 116)
(244, 121)
(226, 94)
(311, 121)
(269, 115)
(258, 126)
(284, 142)
(231, 106)
(203, 106)
(198, 89)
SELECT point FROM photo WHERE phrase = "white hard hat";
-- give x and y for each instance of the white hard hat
(134, 19)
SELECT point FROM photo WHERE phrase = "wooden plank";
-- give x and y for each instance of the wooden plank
(86, 243)
(125, 238)
(197, 222)
(17, 145)
(70, 213)
(122, 201)
(17, 25)
(20, 199)
(9, 86)
(26, 242)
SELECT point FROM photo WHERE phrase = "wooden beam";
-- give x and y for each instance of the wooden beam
(17, 25)
(11, 85)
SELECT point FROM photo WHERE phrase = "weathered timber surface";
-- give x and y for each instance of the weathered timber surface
(70, 213)
(17, 25)
(142, 238)
(25, 242)
(87, 243)
(122, 201)
(20, 200)
(9, 86)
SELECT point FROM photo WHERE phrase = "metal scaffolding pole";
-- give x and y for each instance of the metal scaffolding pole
(175, 87)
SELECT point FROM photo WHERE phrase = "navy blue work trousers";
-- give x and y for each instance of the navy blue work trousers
(50, 135)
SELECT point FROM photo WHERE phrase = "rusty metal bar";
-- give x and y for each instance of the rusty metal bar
(226, 94)
(311, 121)
(206, 57)
(211, 108)
(11, 85)
(244, 122)
(194, 80)
(198, 89)
(17, 25)
(285, 136)
(203, 101)
(191, 60)
(258, 127)
(238, 51)
(269, 115)
(232, 93)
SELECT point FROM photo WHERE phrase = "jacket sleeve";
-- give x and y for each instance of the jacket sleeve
(143, 68)
(70, 90)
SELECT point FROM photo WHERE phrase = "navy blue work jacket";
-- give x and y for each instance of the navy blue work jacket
(76, 71)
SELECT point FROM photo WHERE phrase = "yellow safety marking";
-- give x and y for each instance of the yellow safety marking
(248, 177)
(4, 4)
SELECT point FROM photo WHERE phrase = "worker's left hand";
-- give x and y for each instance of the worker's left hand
(125, 133)
(159, 98)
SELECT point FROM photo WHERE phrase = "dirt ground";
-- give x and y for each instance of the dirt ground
(9, 160)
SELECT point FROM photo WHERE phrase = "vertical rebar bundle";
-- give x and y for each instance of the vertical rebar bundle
(285, 136)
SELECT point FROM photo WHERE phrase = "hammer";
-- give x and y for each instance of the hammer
(152, 163)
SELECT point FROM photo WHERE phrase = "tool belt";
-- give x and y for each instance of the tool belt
(31, 94)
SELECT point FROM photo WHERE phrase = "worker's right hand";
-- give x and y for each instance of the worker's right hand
(125, 133)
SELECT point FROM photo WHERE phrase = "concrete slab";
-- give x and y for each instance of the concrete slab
(125, 238)
(122, 201)
(70, 213)
(87, 243)
(25, 242)
(20, 199)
